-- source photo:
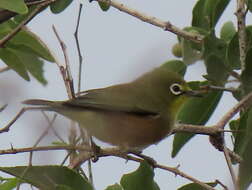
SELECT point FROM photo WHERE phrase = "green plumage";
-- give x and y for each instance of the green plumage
(131, 115)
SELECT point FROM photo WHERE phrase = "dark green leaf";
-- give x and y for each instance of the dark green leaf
(31, 62)
(60, 5)
(195, 186)
(114, 187)
(48, 177)
(17, 6)
(245, 167)
(246, 76)
(142, 178)
(206, 13)
(244, 132)
(249, 3)
(104, 6)
(216, 70)
(176, 66)
(195, 111)
(227, 31)
(214, 46)
(9, 184)
(13, 61)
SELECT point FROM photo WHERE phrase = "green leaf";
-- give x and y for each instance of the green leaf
(191, 51)
(190, 54)
(214, 46)
(60, 5)
(249, 4)
(216, 70)
(206, 13)
(104, 6)
(31, 62)
(244, 132)
(9, 184)
(227, 31)
(195, 186)
(246, 76)
(17, 6)
(176, 66)
(245, 167)
(13, 61)
(114, 187)
(195, 111)
(29, 39)
(47, 177)
(142, 178)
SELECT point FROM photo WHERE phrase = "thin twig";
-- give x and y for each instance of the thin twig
(45, 132)
(245, 102)
(220, 88)
(221, 184)
(78, 47)
(167, 26)
(19, 114)
(231, 170)
(241, 23)
(4, 69)
(65, 71)
(24, 22)
(2, 108)
(197, 129)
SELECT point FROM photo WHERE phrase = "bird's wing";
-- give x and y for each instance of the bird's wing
(113, 99)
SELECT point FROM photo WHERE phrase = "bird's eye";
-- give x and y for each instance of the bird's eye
(176, 89)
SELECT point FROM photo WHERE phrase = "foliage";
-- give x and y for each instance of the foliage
(26, 54)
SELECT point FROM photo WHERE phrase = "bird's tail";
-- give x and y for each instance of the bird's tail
(39, 102)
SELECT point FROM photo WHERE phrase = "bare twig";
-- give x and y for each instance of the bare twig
(221, 184)
(245, 102)
(2, 108)
(65, 71)
(220, 88)
(4, 69)
(78, 47)
(231, 170)
(19, 114)
(167, 26)
(197, 129)
(24, 22)
(241, 22)
(45, 132)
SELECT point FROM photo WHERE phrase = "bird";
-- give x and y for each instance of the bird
(131, 115)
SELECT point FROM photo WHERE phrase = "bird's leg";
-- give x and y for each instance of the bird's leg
(96, 150)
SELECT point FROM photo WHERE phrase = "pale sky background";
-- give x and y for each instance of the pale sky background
(116, 48)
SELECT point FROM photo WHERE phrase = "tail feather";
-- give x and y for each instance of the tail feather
(39, 102)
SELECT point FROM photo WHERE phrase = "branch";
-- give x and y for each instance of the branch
(245, 102)
(197, 129)
(4, 69)
(241, 22)
(104, 153)
(65, 70)
(166, 25)
(24, 22)
(231, 170)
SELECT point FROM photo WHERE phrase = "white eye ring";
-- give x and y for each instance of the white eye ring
(176, 89)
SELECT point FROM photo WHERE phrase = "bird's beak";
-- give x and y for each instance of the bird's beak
(193, 93)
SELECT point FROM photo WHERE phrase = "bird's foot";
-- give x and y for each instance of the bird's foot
(96, 151)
